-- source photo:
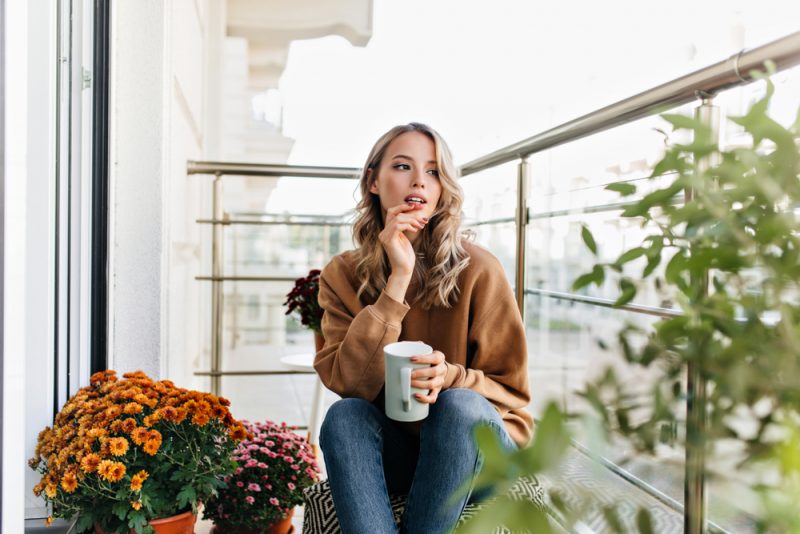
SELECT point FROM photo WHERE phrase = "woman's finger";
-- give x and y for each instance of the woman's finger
(428, 384)
(436, 357)
(428, 399)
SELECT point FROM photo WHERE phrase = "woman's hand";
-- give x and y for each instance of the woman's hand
(401, 218)
(430, 378)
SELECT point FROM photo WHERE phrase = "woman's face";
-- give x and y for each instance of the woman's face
(408, 174)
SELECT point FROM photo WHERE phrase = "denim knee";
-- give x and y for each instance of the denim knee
(343, 418)
(463, 406)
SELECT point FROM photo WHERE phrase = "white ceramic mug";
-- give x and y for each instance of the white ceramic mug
(400, 403)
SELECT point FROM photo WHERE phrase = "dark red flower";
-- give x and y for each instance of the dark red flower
(303, 299)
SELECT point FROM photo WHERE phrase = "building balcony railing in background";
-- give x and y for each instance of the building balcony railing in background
(702, 86)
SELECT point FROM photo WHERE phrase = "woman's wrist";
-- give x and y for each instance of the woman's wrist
(397, 285)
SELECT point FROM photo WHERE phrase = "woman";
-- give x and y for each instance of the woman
(414, 278)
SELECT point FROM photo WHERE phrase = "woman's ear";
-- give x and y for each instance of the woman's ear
(372, 181)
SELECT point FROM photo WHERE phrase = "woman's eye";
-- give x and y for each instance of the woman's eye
(402, 167)
(434, 172)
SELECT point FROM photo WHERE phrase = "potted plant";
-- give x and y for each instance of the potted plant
(302, 299)
(274, 466)
(124, 455)
(731, 255)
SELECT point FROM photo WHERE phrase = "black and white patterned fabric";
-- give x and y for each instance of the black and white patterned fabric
(319, 515)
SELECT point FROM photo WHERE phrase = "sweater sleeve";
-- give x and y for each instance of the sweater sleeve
(351, 362)
(497, 365)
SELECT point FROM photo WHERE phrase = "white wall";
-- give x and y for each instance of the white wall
(137, 155)
(158, 121)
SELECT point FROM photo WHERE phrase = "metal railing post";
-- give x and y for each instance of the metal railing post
(522, 227)
(216, 285)
(694, 489)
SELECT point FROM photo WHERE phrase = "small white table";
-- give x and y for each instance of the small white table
(305, 363)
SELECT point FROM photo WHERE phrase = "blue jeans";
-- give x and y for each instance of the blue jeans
(368, 456)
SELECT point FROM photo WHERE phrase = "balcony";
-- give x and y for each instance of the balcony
(199, 257)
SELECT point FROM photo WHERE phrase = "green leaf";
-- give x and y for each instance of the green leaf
(551, 442)
(85, 522)
(186, 496)
(623, 188)
(628, 292)
(583, 281)
(588, 238)
(630, 255)
(684, 122)
(644, 522)
(672, 161)
(120, 509)
(138, 521)
(597, 276)
(613, 520)
(675, 267)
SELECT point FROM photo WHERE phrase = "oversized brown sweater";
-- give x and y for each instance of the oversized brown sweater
(481, 336)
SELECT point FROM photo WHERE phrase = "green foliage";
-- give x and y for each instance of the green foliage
(732, 253)
(502, 467)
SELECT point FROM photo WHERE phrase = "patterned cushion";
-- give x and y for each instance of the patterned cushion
(319, 515)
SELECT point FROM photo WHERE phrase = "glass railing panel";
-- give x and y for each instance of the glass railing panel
(282, 250)
(557, 256)
(490, 194)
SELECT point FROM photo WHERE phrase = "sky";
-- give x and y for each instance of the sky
(486, 75)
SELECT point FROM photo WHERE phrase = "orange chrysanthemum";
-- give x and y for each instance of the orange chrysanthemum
(118, 446)
(69, 483)
(90, 462)
(132, 408)
(140, 435)
(116, 426)
(136, 505)
(50, 490)
(181, 415)
(129, 425)
(151, 419)
(151, 446)
(200, 419)
(168, 413)
(97, 432)
(111, 471)
(238, 433)
(138, 479)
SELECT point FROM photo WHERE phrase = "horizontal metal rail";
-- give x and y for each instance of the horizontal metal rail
(247, 278)
(226, 222)
(723, 75)
(252, 373)
(606, 303)
(227, 168)
(599, 208)
(502, 220)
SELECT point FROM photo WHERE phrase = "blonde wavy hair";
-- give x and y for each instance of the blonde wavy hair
(440, 254)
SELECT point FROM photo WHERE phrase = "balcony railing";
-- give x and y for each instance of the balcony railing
(701, 86)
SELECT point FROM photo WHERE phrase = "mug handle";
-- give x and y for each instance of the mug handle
(405, 388)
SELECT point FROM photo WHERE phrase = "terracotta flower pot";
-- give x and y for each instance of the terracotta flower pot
(284, 526)
(176, 524)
